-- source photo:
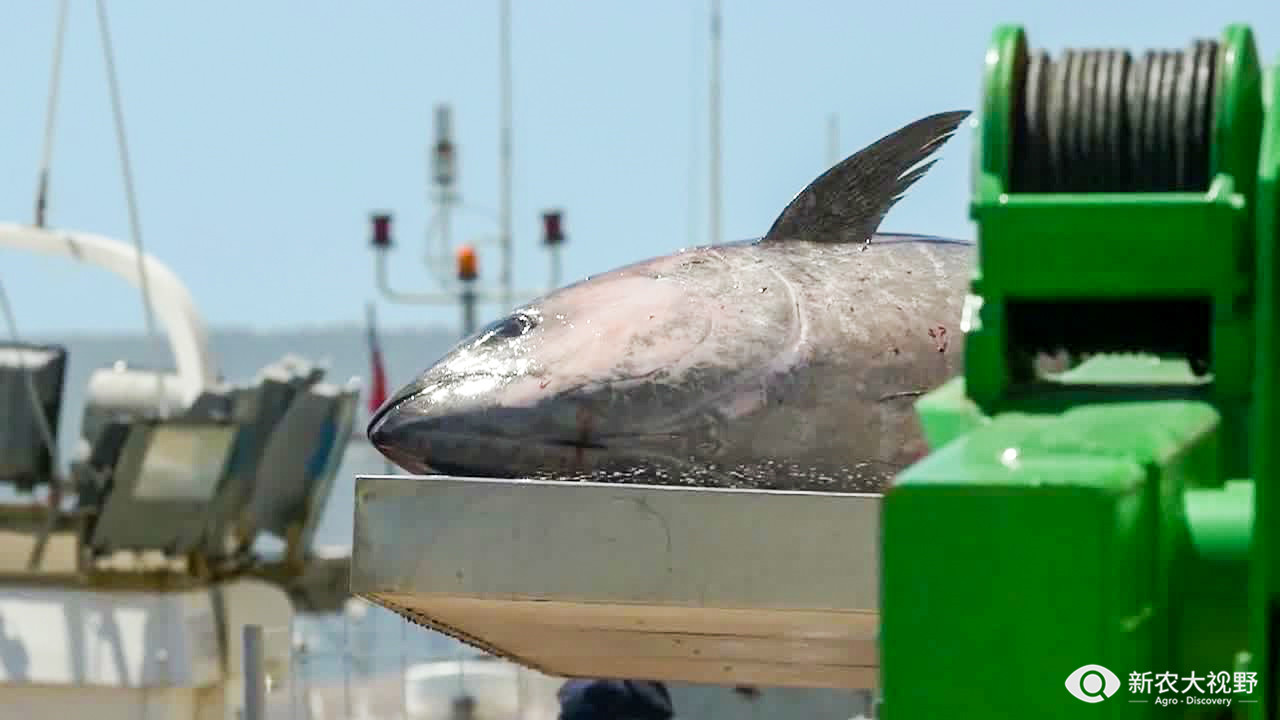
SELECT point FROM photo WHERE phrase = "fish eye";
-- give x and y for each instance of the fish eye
(513, 326)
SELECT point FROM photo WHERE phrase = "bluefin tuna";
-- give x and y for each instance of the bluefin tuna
(791, 362)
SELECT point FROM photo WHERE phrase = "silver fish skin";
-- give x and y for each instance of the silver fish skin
(789, 362)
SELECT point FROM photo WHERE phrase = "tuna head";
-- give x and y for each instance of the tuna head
(637, 365)
(649, 364)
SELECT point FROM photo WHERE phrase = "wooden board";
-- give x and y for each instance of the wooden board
(631, 581)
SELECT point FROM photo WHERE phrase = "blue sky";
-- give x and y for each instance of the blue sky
(262, 134)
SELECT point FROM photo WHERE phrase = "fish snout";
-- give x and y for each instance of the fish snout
(430, 428)
(463, 426)
(387, 417)
(401, 432)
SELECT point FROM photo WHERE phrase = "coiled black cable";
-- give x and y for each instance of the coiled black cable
(1101, 121)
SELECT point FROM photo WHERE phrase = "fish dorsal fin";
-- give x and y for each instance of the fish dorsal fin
(847, 203)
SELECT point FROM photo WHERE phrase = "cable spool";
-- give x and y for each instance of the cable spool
(1115, 195)
(1111, 121)
(1093, 121)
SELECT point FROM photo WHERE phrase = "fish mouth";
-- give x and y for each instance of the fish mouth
(425, 438)
(423, 444)
(579, 444)
(491, 456)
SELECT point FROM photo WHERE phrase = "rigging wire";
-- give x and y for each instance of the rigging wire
(50, 116)
(42, 423)
(41, 205)
(135, 227)
(42, 197)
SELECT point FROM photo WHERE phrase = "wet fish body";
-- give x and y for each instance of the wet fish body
(789, 362)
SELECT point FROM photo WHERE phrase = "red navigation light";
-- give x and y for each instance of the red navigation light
(466, 263)
(381, 230)
(552, 232)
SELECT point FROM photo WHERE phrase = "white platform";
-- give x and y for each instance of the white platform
(74, 652)
(627, 581)
(60, 636)
(502, 690)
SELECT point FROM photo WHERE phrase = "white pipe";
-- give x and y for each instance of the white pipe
(170, 300)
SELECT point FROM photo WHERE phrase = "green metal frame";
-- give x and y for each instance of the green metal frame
(1120, 513)
(1264, 595)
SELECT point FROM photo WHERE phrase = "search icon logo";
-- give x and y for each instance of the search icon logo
(1092, 683)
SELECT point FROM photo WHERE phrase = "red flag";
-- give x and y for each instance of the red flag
(378, 392)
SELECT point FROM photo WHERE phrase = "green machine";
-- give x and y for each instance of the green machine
(1103, 542)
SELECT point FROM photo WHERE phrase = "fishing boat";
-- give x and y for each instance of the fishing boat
(127, 580)
(129, 574)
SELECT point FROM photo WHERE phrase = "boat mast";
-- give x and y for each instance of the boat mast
(714, 183)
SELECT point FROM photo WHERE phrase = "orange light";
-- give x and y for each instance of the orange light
(466, 263)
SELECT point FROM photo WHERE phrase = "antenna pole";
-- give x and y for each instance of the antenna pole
(714, 184)
(469, 293)
(833, 139)
(504, 150)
